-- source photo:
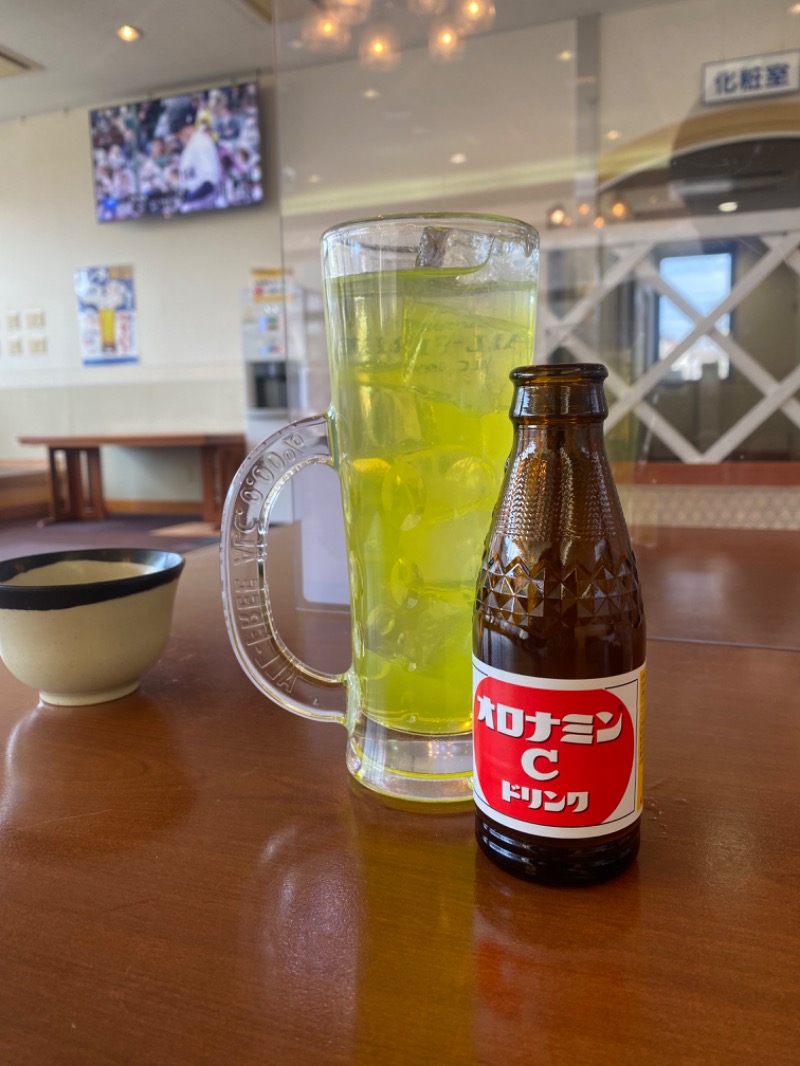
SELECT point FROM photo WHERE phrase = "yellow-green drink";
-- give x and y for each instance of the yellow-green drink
(426, 316)
(420, 362)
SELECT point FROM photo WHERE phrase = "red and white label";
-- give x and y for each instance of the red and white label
(558, 758)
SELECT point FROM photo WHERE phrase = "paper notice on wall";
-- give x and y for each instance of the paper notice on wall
(267, 285)
(106, 315)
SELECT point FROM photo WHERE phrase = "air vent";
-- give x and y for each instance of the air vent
(11, 63)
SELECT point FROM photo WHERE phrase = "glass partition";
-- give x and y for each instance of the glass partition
(656, 147)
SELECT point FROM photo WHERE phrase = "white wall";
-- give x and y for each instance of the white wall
(189, 273)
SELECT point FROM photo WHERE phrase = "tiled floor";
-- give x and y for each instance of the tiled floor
(180, 533)
(712, 506)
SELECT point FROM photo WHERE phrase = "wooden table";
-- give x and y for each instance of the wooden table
(221, 455)
(187, 875)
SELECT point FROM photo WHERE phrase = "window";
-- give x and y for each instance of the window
(703, 281)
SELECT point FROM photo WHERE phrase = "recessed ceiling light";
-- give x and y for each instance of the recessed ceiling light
(129, 34)
(794, 9)
(613, 135)
(565, 56)
(314, 179)
(727, 206)
(370, 94)
(458, 157)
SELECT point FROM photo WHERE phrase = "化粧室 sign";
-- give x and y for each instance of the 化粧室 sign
(751, 76)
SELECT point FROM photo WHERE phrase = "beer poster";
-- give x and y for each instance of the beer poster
(106, 315)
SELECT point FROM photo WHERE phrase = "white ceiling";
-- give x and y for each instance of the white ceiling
(185, 43)
(84, 64)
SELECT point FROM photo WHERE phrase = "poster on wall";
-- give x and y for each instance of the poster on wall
(106, 315)
(264, 315)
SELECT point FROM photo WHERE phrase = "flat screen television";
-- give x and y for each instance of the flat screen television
(174, 155)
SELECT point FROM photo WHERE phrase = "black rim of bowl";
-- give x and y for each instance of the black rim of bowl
(167, 567)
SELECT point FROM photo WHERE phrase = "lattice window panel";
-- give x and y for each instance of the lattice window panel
(630, 254)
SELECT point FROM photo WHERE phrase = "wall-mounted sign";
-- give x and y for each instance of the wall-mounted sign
(752, 76)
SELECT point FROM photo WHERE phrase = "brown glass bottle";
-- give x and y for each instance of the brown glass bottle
(558, 603)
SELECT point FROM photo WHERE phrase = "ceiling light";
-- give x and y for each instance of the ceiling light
(474, 16)
(445, 41)
(565, 56)
(729, 205)
(370, 94)
(619, 210)
(613, 135)
(794, 9)
(314, 179)
(129, 34)
(599, 222)
(556, 216)
(378, 47)
(458, 157)
(324, 33)
(584, 209)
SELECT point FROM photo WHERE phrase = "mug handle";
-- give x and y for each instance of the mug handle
(244, 548)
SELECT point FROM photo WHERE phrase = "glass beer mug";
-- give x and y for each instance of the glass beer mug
(426, 317)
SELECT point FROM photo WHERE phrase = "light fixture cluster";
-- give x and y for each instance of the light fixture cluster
(587, 214)
(332, 28)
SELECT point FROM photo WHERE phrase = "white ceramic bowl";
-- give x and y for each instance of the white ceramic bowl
(83, 626)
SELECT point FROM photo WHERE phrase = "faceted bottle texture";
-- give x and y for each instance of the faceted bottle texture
(559, 606)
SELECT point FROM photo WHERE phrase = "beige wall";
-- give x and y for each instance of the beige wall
(189, 275)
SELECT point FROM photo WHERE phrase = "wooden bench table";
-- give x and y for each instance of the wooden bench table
(82, 498)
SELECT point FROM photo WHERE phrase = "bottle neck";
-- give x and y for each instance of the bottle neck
(559, 408)
(558, 486)
(570, 394)
(577, 438)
